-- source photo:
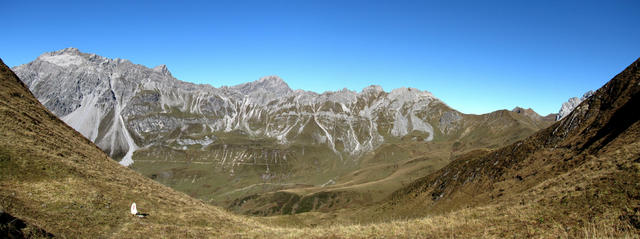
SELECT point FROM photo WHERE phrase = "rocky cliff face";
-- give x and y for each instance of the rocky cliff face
(122, 106)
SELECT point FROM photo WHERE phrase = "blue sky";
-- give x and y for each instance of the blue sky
(477, 56)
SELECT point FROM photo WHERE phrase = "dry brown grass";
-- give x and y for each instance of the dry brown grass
(515, 221)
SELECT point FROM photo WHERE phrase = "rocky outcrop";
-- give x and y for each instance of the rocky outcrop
(571, 104)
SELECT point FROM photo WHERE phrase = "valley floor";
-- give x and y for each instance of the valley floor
(599, 199)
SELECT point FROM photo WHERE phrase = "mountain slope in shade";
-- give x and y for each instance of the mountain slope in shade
(54, 179)
(229, 143)
(583, 170)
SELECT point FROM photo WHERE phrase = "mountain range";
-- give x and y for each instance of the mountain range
(228, 143)
(122, 107)
(577, 177)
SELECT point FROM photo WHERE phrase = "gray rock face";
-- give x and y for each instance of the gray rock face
(449, 120)
(123, 106)
(571, 104)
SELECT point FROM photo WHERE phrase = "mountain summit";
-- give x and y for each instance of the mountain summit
(162, 69)
(268, 84)
(571, 104)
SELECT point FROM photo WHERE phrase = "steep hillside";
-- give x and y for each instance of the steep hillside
(225, 144)
(584, 169)
(56, 181)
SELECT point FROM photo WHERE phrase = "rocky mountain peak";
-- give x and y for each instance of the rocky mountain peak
(405, 94)
(372, 89)
(270, 84)
(568, 106)
(526, 112)
(271, 79)
(521, 110)
(65, 57)
(67, 51)
(162, 69)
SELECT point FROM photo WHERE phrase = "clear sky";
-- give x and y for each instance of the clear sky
(477, 56)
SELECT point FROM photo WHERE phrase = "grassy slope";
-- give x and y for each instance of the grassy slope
(55, 179)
